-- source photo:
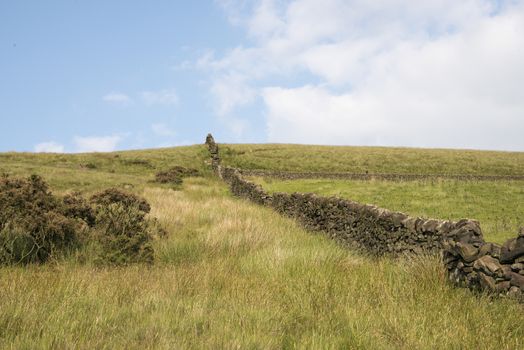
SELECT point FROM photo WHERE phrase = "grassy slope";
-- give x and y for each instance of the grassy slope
(91, 171)
(372, 159)
(233, 275)
(499, 206)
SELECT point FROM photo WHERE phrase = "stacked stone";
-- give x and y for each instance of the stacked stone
(213, 150)
(243, 188)
(480, 265)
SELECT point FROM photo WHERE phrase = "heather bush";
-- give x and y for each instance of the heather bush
(175, 175)
(33, 224)
(116, 196)
(122, 233)
(76, 206)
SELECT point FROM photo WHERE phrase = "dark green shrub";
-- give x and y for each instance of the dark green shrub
(137, 161)
(175, 175)
(124, 236)
(90, 166)
(122, 232)
(116, 196)
(76, 206)
(33, 226)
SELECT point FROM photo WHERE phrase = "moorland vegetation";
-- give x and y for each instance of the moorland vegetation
(226, 273)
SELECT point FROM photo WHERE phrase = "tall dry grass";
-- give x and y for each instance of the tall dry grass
(234, 275)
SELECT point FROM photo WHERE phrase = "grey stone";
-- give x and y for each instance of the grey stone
(487, 282)
(517, 280)
(467, 251)
(511, 250)
(519, 260)
(485, 249)
(488, 264)
(514, 291)
(448, 258)
(502, 286)
(504, 272)
(517, 266)
(430, 225)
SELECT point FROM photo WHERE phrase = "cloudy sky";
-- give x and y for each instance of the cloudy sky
(104, 75)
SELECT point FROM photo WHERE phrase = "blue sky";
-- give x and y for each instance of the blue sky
(106, 75)
(62, 60)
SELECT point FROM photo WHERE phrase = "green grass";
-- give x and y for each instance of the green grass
(498, 205)
(230, 274)
(235, 275)
(304, 158)
(92, 171)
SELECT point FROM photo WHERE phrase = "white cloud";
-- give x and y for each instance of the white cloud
(96, 143)
(440, 73)
(117, 98)
(49, 147)
(161, 129)
(231, 91)
(162, 97)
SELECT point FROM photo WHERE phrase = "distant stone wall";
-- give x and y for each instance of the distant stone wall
(289, 175)
(470, 261)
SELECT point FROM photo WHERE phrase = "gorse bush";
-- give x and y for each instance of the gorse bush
(175, 175)
(123, 235)
(33, 223)
(76, 206)
(116, 196)
(122, 232)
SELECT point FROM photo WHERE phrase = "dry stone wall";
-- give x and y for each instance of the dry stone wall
(289, 175)
(213, 151)
(470, 261)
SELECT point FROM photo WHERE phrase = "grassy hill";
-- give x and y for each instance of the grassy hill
(304, 158)
(230, 274)
(92, 171)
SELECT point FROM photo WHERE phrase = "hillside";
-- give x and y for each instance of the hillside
(92, 171)
(379, 160)
(230, 274)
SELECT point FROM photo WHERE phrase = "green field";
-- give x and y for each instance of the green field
(92, 171)
(304, 158)
(230, 274)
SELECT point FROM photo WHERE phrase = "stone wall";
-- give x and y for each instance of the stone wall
(213, 151)
(289, 175)
(472, 262)
(469, 260)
